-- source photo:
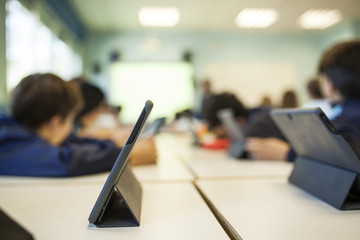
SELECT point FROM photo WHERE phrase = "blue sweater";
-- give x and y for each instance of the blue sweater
(24, 153)
(347, 122)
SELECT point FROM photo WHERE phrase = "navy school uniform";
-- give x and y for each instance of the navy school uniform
(24, 153)
(347, 121)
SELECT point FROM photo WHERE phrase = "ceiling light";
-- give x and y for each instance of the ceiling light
(159, 16)
(319, 19)
(256, 18)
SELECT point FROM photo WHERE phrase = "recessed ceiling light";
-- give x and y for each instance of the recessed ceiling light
(319, 19)
(256, 18)
(159, 16)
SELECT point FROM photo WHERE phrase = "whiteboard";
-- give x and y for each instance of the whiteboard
(169, 85)
(251, 81)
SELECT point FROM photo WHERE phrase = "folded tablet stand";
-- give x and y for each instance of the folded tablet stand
(10, 229)
(123, 207)
(337, 186)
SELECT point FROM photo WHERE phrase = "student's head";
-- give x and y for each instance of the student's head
(265, 101)
(46, 104)
(94, 103)
(289, 100)
(339, 69)
(205, 86)
(223, 101)
(313, 89)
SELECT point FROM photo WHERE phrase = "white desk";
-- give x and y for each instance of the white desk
(169, 211)
(168, 167)
(206, 163)
(274, 209)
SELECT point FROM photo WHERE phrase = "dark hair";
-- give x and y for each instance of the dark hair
(289, 100)
(39, 97)
(93, 98)
(223, 101)
(341, 64)
(313, 88)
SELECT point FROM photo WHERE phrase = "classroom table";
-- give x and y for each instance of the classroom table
(251, 199)
(275, 209)
(169, 211)
(168, 167)
(209, 163)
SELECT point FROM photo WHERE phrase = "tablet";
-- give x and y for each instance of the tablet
(119, 165)
(312, 135)
(236, 135)
(10, 229)
(153, 128)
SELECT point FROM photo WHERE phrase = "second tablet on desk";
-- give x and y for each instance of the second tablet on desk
(325, 166)
(236, 135)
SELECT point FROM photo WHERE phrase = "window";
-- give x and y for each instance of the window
(32, 47)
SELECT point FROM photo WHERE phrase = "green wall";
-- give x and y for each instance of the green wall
(301, 50)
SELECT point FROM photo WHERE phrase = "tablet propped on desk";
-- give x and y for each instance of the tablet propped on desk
(236, 134)
(325, 166)
(119, 202)
(153, 128)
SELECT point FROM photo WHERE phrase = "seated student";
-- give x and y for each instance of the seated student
(260, 126)
(33, 140)
(264, 106)
(339, 72)
(222, 101)
(316, 97)
(289, 99)
(95, 121)
(207, 93)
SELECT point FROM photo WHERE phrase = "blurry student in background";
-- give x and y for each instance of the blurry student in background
(207, 93)
(339, 74)
(220, 101)
(34, 139)
(289, 100)
(258, 126)
(94, 120)
(316, 97)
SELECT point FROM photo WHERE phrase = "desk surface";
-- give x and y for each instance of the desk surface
(207, 163)
(275, 209)
(169, 211)
(254, 197)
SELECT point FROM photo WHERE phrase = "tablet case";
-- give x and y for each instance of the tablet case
(325, 165)
(237, 137)
(119, 202)
(10, 229)
(123, 207)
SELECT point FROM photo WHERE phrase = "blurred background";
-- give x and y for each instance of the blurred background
(161, 50)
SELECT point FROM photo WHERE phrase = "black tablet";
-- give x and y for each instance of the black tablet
(312, 135)
(325, 164)
(119, 165)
